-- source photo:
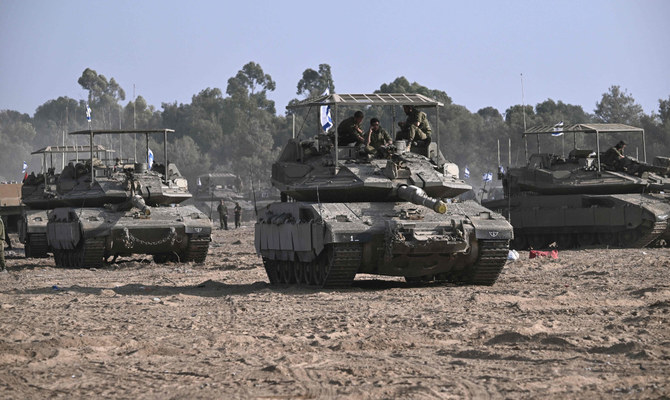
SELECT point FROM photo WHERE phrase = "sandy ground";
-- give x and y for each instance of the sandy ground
(594, 324)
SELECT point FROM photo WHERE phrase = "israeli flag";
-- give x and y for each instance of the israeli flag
(558, 129)
(326, 119)
(466, 172)
(199, 183)
(25, 167)
(501, 170)
(487, 177)
(88, 113)
(150, 158)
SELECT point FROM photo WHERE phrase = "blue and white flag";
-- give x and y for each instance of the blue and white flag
(487, 177)
(88, 113)
(558, 129)
(466, 172)
(150, 158)
(501, 170)
(25, 167)
(326, 119)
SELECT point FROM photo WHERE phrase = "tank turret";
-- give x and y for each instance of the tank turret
(378, 210)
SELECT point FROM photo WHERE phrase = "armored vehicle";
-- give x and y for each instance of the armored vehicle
(10, 207)
(587, 198)
(129, 220)
(351, 213)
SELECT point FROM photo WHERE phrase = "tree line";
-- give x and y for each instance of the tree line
(240, 131)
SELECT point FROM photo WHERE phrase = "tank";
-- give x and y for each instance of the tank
(121, 209)
(346, 212)
(585, 198)
(11, 208)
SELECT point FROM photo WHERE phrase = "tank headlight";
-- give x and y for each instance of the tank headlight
(662, 217)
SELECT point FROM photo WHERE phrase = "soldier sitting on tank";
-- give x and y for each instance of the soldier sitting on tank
(614, 158)
(378, 140)
(349, 131)
(416, 128)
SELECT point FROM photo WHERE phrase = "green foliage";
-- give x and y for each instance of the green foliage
(16, 135)
(314, 83)
(618, 106)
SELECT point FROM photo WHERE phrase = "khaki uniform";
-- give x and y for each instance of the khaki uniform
(347, 132)
(223, 216)
(411, 131)
(238, 215)
(378, 139)
(2, 245)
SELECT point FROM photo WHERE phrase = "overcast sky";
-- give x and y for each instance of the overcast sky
(474, 51)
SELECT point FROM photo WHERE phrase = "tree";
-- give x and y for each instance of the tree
(250, 85)
(314, 83)
(16, 136)
(103, 98)
(618, 106)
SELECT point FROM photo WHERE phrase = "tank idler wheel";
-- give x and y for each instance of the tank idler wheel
(285, 270)
(299, 272)
(608, 238)
(271, 271)
(586, 239)
(628, 237)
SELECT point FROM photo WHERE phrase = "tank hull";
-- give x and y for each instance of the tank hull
(581, 220)
(84, 237)
(328, 244)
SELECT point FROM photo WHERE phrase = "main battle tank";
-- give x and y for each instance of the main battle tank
(352, 213)
(585, 199)
(116, 211)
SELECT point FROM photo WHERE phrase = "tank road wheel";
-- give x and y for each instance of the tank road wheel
(628, 237)
(607, 238)
(299, 272)
(537, 241)
(285, 270)
(271, 270)
(320, 270)
(565, 241)
(586, 239)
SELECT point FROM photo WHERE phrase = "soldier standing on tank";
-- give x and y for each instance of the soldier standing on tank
(3, 267)
(377, 138)
(238, 214)
(223, 215)
(415, 127)
(349, 131)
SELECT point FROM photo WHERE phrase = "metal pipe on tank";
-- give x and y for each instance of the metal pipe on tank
(165, 153)
(644, 146)
(90, 143)
(598, 149)
(336, 136)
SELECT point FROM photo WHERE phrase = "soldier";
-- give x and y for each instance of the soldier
(238, 214)
(614, 157)
(377, 138)
(223, 215)
(349, 131)
(415, 127)
(3, 267)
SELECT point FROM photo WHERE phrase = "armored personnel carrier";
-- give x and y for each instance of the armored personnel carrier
(353, 213)
(586, 198)
(114, 210)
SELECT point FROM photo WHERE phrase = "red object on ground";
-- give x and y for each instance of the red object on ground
(537, 254)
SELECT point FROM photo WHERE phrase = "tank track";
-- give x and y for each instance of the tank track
(88, 255)
(196, 250)
(342, 268)
(658, 230)
(37, 246)
(492, 259)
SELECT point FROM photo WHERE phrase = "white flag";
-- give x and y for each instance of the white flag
(326, 119)
(199, 183)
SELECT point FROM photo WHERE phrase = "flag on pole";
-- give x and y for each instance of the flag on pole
(466, 172)
(199, 183)
(25, 171)
(88, 113)
(326, 119)
(501, 170)
(150, 158)
(558, 129)
(487, 177)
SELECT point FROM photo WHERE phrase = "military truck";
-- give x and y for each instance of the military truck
(116, 210)
(580, 200)
(346, 212)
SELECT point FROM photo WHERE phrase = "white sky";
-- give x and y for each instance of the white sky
(475, 51)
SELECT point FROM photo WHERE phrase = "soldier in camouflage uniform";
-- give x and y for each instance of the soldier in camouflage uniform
(349, 131)
(416, 126)
(377, 138)
(3, 267)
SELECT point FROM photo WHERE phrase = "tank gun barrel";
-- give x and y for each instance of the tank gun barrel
(417, 196)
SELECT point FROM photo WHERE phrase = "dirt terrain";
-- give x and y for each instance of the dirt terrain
(594, 324)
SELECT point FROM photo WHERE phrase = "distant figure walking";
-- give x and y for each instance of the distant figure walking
(223, 215)
(238, 214)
